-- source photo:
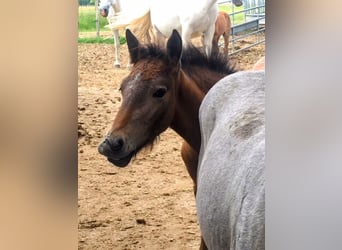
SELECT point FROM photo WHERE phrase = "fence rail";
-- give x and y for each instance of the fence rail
(252, 26)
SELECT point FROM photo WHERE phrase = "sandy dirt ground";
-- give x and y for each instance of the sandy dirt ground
(149, 204)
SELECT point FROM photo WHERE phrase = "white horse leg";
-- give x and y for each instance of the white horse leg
(208, 39)
(117, 49)
(158, 37)
(186, 36)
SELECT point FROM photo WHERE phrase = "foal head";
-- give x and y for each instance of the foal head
(148, 99)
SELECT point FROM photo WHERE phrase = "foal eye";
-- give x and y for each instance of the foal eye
(159, 93)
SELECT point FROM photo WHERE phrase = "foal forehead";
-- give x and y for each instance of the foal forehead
(147, 70)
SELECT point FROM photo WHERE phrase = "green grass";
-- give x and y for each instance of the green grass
(238, 18)
(108, 40)
(87, 19)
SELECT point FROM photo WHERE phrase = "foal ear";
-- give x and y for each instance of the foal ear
(174, 47)
(133, 46)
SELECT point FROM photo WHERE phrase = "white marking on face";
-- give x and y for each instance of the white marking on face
(132, 85)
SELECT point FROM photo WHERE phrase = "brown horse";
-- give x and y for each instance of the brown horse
(222, 28)
(164, 89)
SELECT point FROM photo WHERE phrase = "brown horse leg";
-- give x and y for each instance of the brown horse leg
(215, 47)
(190, 158)
(226, 42)
(203, 246)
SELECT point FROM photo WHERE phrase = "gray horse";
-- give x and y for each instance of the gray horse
(231, 183)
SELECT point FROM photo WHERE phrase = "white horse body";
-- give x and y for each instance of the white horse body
(187, 17)
(231, 184)
(128, 10)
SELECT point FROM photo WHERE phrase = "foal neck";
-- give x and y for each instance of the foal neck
(197, 76)
(186, 121)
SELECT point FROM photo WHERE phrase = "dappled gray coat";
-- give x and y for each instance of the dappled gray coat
(231, 183)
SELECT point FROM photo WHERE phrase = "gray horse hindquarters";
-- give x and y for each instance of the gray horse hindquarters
(231, 183)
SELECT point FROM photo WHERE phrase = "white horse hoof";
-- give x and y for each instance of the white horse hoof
(116, 65)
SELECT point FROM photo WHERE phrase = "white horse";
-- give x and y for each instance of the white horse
(230, 179)
(121, 16)
(188, 17)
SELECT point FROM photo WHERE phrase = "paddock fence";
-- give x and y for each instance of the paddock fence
(252, 26)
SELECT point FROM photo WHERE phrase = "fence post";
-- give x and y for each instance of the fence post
(97, 18)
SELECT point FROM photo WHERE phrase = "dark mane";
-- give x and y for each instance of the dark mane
(217, 62)
(192, 57)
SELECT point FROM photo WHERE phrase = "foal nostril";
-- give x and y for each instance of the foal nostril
(115, 144)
